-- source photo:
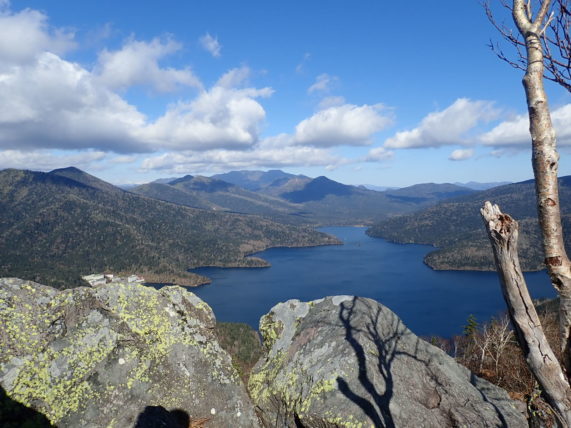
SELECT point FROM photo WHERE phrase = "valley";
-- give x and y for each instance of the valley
(66, 223)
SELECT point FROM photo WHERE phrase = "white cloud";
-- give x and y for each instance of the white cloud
(234, 78)
(53, 103)
(327, 102)
(48, 103)
(461, 154)
(445, 127)
(347, 124)
(137, 63)
(26, 34)
(379, 154)
(271, 153)
(211, 45)
(515, 131)
(222, 117)
(322, 83)
(45, 160)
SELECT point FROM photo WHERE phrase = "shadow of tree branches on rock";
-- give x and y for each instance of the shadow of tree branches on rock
(378, 340)
(377, 406)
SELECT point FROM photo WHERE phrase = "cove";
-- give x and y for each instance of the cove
(429, 302)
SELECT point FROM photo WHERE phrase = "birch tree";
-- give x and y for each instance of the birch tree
(556, 40)
(503, 230)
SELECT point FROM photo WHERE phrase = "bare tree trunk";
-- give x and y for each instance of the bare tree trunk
(545, 164)
(503, 233)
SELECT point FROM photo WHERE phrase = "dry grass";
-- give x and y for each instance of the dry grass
(491, 351)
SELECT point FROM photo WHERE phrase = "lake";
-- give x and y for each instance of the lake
(429, 302)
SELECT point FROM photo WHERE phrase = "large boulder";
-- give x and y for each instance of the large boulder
(117, 355)
(350, 362)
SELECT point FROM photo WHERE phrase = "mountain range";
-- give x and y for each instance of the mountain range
(60, 225)
(297, 199)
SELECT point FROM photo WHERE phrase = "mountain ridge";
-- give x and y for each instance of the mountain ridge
(298, 199)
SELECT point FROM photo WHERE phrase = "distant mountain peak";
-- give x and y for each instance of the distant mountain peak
(84, 178)
(253, 180)
(69, 169)
(184, 179)
(317, 189)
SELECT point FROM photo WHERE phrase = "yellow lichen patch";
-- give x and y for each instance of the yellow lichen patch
(270, 330)
(60, 350)
(292, 385)
(318, 388)
(261, 384)
(62, 393)
(346, 422)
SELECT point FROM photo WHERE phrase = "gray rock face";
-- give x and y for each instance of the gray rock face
(350, 362)
(117, 355)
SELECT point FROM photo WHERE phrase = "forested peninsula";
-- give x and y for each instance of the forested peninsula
(455, 227)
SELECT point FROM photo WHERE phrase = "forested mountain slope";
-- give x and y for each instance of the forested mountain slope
(214, 194)
(57, 226)
(456, 228)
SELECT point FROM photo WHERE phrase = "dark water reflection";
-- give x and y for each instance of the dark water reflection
(429, 302)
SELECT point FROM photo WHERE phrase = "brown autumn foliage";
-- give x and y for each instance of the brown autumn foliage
(491, 351)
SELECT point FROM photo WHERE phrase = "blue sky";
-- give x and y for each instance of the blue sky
(367, 92)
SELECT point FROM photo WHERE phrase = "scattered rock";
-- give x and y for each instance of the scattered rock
(117, 355)
(350, 362)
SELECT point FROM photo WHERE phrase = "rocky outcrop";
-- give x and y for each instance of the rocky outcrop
(117, 355)
(350, 362)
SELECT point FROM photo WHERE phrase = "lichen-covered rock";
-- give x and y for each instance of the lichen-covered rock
(105, 356)
(350, 362)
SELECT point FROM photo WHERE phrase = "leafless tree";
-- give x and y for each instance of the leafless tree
(533, 25)
(556, 41)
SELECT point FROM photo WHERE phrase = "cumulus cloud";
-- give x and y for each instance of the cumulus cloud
(53, 103)
(211, 45)
(515, 131)
(461, 154)
(218, 118)
(234, 78)
(26, 34)
(322, 83)
(445, 127)
(137, 63)
(347, 124)
(45, 160)
(379, 154)
(49, 104)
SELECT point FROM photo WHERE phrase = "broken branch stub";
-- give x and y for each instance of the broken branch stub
(503, 232)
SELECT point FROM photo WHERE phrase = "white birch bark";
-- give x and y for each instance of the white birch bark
(545, 165)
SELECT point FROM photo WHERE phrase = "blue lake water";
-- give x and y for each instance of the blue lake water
(429, 302)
